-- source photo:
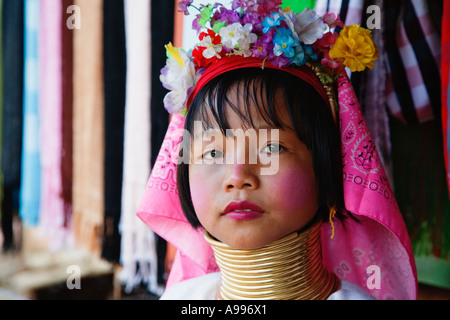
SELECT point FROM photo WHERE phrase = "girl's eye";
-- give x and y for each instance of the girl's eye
(213, 154)
(272, 148)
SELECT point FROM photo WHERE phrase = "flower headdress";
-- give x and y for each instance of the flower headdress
(265, 30)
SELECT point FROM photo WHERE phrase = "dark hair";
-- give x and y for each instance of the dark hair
(309, 113)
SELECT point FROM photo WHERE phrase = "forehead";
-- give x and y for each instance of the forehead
(246, 105)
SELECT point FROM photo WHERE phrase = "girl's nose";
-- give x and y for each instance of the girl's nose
(241, 176)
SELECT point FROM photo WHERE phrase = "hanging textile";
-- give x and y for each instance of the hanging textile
(12, 115)
(66, 114)
(1, 114)
(371, 94)
(138, 245)
(445, 99)
(162, 26)
(114, 77)
(31, 169)
(413, 60)
(88, 144)
(50, 102)
(350, 11)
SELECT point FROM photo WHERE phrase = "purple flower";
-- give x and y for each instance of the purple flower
(262, 47)
(183, 5)
(223, 14)
(246, 5)
(255, 20)
(196, 25)
(278, 61)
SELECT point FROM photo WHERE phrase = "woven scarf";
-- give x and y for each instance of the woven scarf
(52, 206)
(67, 111)
(138, 245)
(31, 168)
(11, 126)
(114, 54)
(88, 129)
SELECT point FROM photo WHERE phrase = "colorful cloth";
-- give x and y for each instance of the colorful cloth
(445, 83)
(88, 128)
(114, 53)
(138, 245)
(380, 237)
(414, 54)
(50, 101)
(31, 167)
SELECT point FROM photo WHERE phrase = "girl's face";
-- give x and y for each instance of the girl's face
(235, 201)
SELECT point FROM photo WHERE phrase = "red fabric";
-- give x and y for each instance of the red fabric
(445, 70)
(238, 62)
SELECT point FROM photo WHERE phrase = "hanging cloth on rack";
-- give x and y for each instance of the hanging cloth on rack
(12, 113)
(413, 61)
(30, 189)
(50, 101)
(88, 129)
(66, 114)
(445, 99)
(114, 76)
(138, 245)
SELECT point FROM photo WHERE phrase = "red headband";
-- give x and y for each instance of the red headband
(234, 62)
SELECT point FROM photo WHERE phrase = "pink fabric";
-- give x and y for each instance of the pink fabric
(379, 238)
(50, 109)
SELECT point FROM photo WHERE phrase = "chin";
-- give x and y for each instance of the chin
(246, 243)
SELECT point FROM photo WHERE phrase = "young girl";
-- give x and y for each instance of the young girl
(279, 193)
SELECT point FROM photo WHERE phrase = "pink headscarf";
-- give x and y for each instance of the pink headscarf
(379, 239)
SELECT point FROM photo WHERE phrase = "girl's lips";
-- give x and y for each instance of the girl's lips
(243, 210)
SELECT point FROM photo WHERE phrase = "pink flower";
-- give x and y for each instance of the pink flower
(333, 20)
(325, 43)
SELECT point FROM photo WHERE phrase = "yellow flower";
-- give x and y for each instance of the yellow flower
(355, 47)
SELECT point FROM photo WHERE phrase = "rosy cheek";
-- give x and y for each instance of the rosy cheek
(200, 200)
(295, 189)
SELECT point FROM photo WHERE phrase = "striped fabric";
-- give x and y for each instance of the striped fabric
(412, 44)
(413, 50)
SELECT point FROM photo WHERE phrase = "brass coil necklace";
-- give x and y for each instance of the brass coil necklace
(288, 269)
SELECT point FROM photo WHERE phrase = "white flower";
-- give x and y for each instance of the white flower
(306, 25)
(309, 26)
(231, 34)
(211, 49)
(236, 35)
(179, 77)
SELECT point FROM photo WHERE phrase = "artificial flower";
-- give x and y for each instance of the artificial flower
(266, 7)
(205, 15)
(262, 47)
(248, 37)
(355, 46)
(333, 20)
(299, 56)
(225, 15)
(279, 61)
(232, 34)
(269, 31)
(179, 77)
(308, 26)
(284, 43)
(246, 5)
(272, 22)
(212, 49)
(183, 5)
